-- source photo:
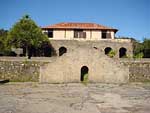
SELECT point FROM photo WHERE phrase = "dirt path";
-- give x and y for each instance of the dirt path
(74, 98)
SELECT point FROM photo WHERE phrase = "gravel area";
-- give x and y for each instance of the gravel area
(74, 98)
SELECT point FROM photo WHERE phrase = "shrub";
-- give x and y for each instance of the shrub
(139, 55)
(85, 81)
(112, 53)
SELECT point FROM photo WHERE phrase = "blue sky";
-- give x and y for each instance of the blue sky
(131, 17)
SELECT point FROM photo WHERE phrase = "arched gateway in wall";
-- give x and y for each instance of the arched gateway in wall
(84, 72)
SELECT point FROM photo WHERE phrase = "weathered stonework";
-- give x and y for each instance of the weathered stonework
(72, 45)
(67, 68)
(20, 70)
(139, 69)
(79, 53)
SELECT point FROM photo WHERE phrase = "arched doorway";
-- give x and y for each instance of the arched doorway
(84, 73)
(107, 50)
(122, 52)
(62, 50)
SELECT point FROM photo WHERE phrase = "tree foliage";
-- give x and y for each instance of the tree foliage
(141, 49)
(3, 36)
(146, 46)
(3, 41)
(26, 34)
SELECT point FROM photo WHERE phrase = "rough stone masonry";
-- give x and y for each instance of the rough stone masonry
(19, 69)
(79, 55)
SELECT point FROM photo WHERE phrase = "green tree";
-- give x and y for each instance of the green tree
(146, 46)
(137, 49)
(3, 38)
(141, 49)
(26, 34)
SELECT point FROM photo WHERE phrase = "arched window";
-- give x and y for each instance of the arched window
(62, 50)
(107, 50)
(122, 52)
(84, 73)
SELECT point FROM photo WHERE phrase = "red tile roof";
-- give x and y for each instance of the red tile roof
(90, 26)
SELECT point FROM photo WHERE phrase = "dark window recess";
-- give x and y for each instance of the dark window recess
(50, 33)
(79, 33)
(104, 34)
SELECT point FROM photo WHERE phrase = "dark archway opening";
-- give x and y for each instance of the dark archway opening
(84, 72)
(122, 52)
(107, 50)
(62, 50)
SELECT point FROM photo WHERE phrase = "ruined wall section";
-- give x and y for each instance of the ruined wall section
(20, 69)
(115, 44)
(67, 68)
(139, 69)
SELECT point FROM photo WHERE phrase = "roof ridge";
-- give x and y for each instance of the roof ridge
(80, 25)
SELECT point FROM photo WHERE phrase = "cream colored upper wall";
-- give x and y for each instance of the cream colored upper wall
(112, 35)
(90, 34)
(96, 35)
(63, 34)
(69, 34)
(59, 34)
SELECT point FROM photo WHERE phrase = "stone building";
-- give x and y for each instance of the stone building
(83, 48)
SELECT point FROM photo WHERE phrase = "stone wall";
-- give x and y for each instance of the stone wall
(72, 45)
(139, 69)
(101, 70)
(20, 69)
(68, 67)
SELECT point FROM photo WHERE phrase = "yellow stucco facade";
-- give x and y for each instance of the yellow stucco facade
(90, 35)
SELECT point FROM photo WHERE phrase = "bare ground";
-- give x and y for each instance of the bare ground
(74, 98)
